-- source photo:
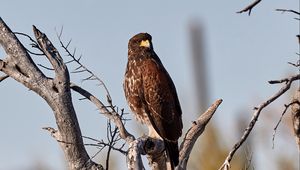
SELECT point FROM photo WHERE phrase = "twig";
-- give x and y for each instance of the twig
(249, 7)
(34, 44)
(285, 80)
(295, 64)
(226, 164)
(282, 114)
(47, 68)
(111, 141)
(288, 10)
(77, 60)
(102, 143)
(114, 116)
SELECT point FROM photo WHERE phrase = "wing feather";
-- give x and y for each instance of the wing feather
(161, 99)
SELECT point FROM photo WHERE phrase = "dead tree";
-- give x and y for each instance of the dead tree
(56, 91)
(258, 110)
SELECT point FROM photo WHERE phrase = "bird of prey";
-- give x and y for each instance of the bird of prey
(151, 94)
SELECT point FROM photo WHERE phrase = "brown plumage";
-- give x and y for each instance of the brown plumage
(151, 94)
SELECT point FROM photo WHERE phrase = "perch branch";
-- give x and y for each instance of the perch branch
(290, 80)
(193, 133)
(249, 7)
(136, 147)
(134, 159)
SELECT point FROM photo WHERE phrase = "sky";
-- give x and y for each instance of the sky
(242, 52)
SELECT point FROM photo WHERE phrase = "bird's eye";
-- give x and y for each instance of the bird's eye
(145, 43)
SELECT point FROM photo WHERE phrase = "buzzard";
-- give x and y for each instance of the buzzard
(151, 94)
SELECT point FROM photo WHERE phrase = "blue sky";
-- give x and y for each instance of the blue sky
(243, 53)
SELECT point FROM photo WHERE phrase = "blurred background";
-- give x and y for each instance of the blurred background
(210, 52)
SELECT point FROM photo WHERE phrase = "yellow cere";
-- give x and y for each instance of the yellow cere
(145, 43)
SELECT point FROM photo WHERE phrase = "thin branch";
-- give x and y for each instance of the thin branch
(288, 10)
(102, 143)
(26, 35)
(34, 44)
(77, 60)
(282, 114)
(295, 64)
(111, 142)
(285, 80)
(249, 7)
(193, 133)
(226, 164)
(47, 68)
(114, 116)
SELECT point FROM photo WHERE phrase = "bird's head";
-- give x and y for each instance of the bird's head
(140, 42)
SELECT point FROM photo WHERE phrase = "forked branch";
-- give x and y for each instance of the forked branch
(19, 65)
(193, 133)
(249, 7)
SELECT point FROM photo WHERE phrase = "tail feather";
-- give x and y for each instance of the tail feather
(173, 152)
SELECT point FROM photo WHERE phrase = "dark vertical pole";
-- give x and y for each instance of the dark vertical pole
(199, 64)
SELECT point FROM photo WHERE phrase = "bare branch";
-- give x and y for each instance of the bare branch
(114, 116)
(295, 65)
(285, 80)
(104, 144)
(226, 164)
(282, 114)
(249, 7)
(77, 60)
(61, 71)
(34, 44)
(19, 65)
(111, 141)
(193, 133)
(47, 68)
(288, 10)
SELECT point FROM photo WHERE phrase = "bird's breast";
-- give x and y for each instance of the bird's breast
(133, 87)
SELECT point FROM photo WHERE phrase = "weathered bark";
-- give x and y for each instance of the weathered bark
(19, 65)
(56, 92)
(193, 133)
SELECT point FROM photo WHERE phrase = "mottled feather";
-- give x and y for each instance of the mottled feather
(151, 93)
